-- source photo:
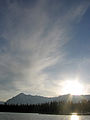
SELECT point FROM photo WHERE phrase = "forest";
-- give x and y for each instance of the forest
(50, 108)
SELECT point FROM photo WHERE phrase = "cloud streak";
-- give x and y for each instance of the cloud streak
(35, 43)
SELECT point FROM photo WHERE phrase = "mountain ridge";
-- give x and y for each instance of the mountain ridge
(35, 99)
(1, 102)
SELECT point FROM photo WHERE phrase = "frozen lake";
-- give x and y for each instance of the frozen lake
(30, 116)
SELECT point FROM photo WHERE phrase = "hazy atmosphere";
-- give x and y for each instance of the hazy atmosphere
(44, 47)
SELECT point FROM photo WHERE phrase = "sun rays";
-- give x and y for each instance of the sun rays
(73, 87)
(74, 116)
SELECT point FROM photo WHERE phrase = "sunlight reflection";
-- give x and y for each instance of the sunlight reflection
(74, 117)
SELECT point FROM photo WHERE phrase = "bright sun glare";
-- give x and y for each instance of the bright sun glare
(74, 117)
(73, 87)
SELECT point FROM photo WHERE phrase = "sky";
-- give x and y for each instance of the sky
(43, 45)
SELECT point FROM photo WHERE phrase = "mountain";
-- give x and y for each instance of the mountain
(30, 99)
(1, 102)
(27, 99)
(73, 98)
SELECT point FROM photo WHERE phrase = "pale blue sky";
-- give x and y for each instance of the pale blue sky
(43, 43)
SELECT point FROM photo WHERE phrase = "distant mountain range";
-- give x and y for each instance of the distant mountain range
(1, 102)
(30, 99)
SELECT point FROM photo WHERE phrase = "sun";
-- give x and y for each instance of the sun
(73, 87)
(74, 117)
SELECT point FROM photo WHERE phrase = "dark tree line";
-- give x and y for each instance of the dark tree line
(49, 108)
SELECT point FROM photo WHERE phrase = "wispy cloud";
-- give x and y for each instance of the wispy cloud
(35, 43)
